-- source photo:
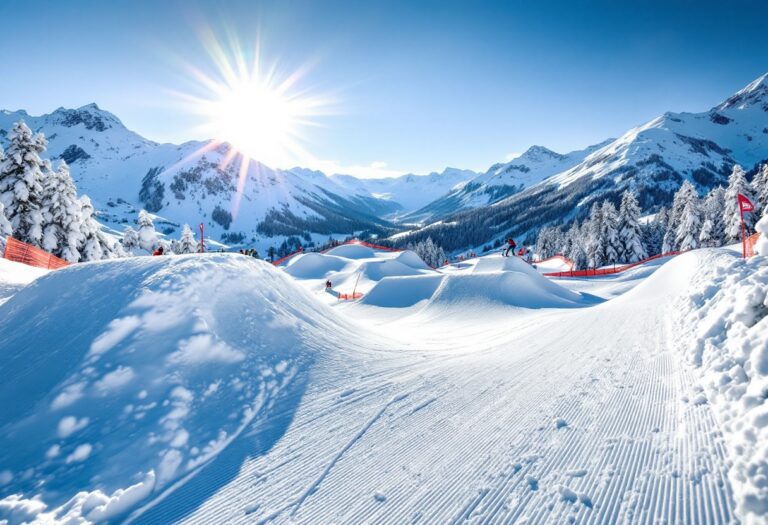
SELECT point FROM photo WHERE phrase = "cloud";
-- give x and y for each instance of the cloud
(375, 170)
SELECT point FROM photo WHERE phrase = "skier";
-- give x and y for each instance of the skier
(159, 251)
(510, 247)
(328, 284)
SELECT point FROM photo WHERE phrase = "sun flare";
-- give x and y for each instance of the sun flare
(255, 109)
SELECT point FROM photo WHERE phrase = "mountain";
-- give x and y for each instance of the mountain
(652, 159)
(201, 182)
(502, 180)
(410, 191)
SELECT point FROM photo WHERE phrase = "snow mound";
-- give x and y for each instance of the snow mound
(410, 258)
(724, 328)
(378, 270)
(402, 292)
(510, 288)
(497, 263)
(352, 251)
(129, 375)
(314, 265)
(15, 276)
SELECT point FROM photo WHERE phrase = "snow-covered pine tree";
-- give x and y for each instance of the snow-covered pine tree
(682, 197)
(576, 252)
(610, 232)
(187, 242)
(654, 230)
(631, 245)
(63, 230)
(594, 242)
(147, 235)
(5, 229)
(21, 175)
(688, 230)
(737, 183)
(760, 189)
(130, 240)
(713, 229)
(90, 247)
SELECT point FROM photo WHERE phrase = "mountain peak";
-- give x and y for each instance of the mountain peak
(755, 92)
(539, 153)
(89, 115)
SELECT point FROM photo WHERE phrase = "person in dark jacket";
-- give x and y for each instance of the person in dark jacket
(159, 251)
(510, 247)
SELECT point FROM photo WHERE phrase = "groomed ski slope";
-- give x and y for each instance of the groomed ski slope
(468, 405)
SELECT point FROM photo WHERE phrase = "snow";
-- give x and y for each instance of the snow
(219, 389)
(14, 276)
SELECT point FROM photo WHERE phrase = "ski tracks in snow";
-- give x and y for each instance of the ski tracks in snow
(577, 424)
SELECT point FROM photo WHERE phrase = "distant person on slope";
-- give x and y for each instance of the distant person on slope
(510, 247)
(159, 251)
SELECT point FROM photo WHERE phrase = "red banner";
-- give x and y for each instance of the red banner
(745, 204)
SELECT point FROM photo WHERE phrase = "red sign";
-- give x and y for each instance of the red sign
(745, 204)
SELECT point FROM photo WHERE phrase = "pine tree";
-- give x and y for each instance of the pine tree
(130, 240)
(610, 233)
(713, 229)
(595, 243)
(147, 235)
(187, 242)
(632, 247)
(63, 229)
(737, 184)
(90, 248)
(576, 252)
(654, 230)
(5, 225)
(760, 189)
(682, 197)
(688, 230)
(21, 175)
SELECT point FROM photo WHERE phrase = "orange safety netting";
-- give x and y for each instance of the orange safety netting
(24, 253)
(607, 271)
(349, 296)
(749, 245)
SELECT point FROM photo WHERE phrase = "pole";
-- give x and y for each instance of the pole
(743, 235)
(202, 239)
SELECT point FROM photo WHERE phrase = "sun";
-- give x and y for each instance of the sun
(262, 114)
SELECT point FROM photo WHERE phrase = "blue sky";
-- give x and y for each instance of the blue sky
(416, 85)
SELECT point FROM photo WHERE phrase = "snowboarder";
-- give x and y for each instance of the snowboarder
(510, 247)
(328, 284)
(159, 251)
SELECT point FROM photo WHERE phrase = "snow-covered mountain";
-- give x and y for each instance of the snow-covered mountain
(411, 191)
(502, 180)
(202, 182)
(652, 159)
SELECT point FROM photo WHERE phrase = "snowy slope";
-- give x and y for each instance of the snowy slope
(15, 276)
(215, 389)
(652, 159)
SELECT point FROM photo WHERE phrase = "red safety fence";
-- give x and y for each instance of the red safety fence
(349, 296)
(24, 253)
(596, 272)
(749, 245)
(281, 260)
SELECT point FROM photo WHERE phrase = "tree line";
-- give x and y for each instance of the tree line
(39, 205)
(609, 236)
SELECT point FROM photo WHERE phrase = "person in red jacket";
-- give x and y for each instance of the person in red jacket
(159, 251)
(510, 247)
